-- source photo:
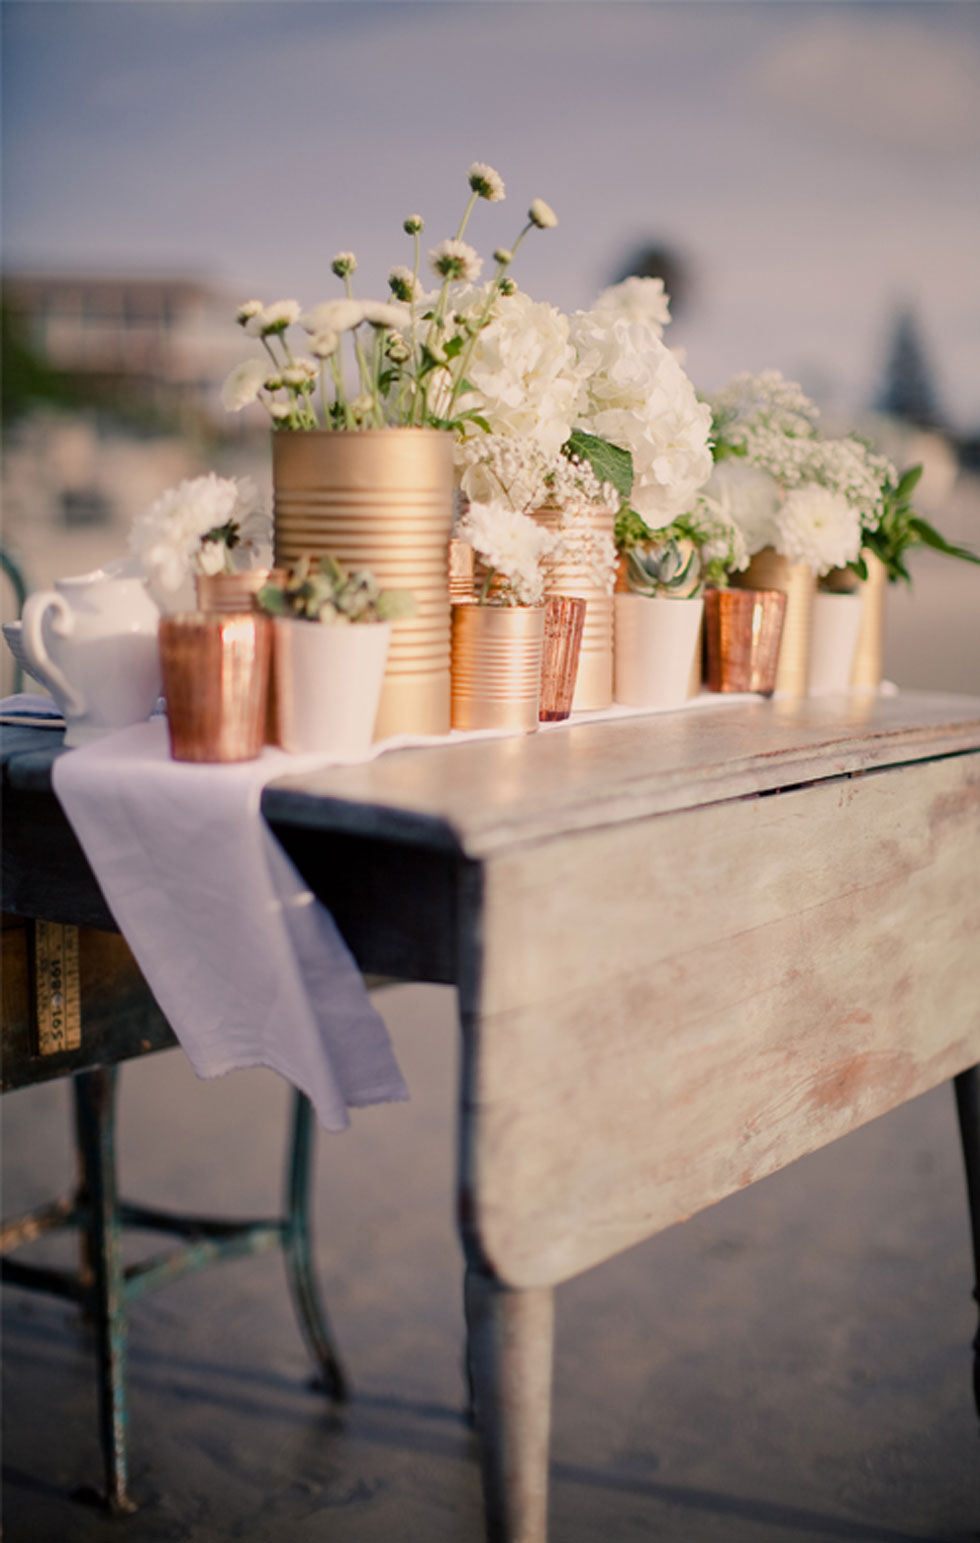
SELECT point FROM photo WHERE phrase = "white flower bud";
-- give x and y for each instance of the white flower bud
(542, 215)
(486, 182)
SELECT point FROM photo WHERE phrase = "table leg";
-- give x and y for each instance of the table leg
(967, 1086)
(511, 1341)
(298, 1252)
(95, 1109)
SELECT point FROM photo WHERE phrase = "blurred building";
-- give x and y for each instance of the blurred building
(145, 348)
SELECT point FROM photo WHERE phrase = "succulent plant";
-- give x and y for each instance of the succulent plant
(670, 567)
(328, 594)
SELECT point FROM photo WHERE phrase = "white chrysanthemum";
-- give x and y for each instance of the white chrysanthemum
(385, 313)
(639, 300)
(525, 377)
(486, 182)
(247, 310)
(279, 410)
(510, 544)
(413, 224)
(747, 496)
(542, 215)
(167, 538)
(456, 260)
(299, 374)
(403, 283)
(333, 316)
(212, 557)
(818, 527)
(344, 264)
(243, 384)
(273, 318)
(637, 396)
(324, 343)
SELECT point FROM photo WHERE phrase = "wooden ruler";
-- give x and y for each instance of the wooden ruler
(57, 993)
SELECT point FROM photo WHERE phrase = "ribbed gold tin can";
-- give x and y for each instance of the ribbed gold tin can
(869, 654)
(462, 560)
(228, 592)
(572, 575)
(380, 499)
(769, 570)
(497, 654)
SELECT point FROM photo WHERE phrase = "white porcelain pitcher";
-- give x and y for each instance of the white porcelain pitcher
(92, 641)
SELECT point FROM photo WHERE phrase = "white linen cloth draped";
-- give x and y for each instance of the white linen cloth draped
(245, 963)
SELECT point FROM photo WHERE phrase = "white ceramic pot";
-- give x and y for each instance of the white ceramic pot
(92, 640)
(833, 640)
(656, 643)
(328, 681)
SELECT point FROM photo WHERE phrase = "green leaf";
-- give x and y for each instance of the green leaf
(609, 462)
(908, 481)
(931, 537)
(454, 346)
(272, 600)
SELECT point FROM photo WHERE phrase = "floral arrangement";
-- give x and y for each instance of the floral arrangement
(328, 594)
(520, 474)
(411, 353)
(204, 525)
(512, 549)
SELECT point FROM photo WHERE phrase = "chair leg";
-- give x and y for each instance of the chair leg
(95, 1109)
(298, 1253)
(967, 1087)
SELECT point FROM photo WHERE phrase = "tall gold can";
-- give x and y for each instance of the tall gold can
(869, 653)
(573, 575)
(229, 592)
(380, 499)
(769, 570)
(497, 654)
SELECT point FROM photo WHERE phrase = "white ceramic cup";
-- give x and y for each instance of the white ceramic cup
(92, 641)
(328, 684)
(656, 643)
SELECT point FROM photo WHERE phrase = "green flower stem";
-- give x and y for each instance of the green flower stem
(466, 216)
(323, 394)
(362, 364)
(341, 394)
(378, 360)
(485, 587)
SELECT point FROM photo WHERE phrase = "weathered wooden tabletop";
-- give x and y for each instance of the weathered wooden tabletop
(689, 948)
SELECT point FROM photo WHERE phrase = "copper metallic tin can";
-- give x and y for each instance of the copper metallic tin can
(768, 570)
(497, 653)
(743, 628)
(216, 681)
(230, 592)
(380, 499)
(564, 619)
(573, 575)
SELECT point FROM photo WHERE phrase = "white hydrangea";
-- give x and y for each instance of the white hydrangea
(818, 527)
(525, 376)
(748, 497)
(511, 546)
(639, 300)
(637, 396)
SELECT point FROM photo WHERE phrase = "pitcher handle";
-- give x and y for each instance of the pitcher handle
(63, 624)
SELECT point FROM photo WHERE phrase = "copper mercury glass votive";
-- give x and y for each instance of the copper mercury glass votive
(743, 630)
(564, 620)
(216, 683)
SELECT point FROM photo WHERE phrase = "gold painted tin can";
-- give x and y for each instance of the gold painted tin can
(743, 629)
(380, 499)
(216, 683)
(228, 592)
(869, 654)
(497, 654)
(572, 575)
(462, 561)
(769, 570)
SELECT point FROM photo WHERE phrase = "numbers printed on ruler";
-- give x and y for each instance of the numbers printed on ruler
(56, 988)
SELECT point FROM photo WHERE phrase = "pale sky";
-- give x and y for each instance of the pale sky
(818, 163)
